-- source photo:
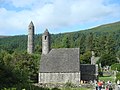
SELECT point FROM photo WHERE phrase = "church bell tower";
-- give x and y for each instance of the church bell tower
(45, 42)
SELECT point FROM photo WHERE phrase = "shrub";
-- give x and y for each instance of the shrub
(118, 76)
(107, 60)
(115, 66)
(69, 85)
(25, 87)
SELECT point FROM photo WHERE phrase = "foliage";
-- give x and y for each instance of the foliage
(115, 66)
(17, 68)
(106, 78)
(40, 88)
(55, 88)
(69, 85)
(107, 60)
(81, 88)
(7, 76)
(118, 76)
(25, 87)
(85, 58)
(118, 54)
(100, 72)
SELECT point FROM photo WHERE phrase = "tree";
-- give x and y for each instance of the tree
(89, 41)
(7, 59)
(66, 42)
(85, 58)
(118, 76)
(27, 64)
(10, 77)
(110, 44)
(118, 54)
(107, 59)
(115, 66)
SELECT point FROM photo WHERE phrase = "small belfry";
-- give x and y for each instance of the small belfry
(46, 42)
(30, 47)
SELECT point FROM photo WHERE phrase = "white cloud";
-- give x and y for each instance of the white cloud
(55, 14)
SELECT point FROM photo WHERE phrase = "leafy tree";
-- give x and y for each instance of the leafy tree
(118, 54)
(107, 59)
(7, 59)
(18, 68)
(10, 77)
(85, 58)
(110, 44)
(89, 41)
(115, 66)
(66, 42)
(118, 76)
(27, 64)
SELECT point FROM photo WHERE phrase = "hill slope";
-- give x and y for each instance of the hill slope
(111, 27)
(101, 39)
(3, 36)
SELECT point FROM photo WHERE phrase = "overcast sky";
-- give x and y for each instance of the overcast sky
(57, 15)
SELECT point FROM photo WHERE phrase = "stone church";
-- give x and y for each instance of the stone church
(60, 65)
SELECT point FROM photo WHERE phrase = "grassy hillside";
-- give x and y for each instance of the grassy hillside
(101, 39)
(107, 27)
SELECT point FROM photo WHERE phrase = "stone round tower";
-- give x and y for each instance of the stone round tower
(93, 58)
(45, 42)
(30, 47)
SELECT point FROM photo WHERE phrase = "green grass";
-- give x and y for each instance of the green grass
(106, 78)
(52, 89)
(76, 89)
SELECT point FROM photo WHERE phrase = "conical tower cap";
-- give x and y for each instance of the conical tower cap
(31, 24)
(46, 32)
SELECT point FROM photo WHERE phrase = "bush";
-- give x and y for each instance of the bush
(25, 87)
(115, 66)
(9, 89)
(69, 85)
(55, 88)
(118, 76)
(107, 60)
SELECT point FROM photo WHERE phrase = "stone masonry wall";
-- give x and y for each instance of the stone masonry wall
(59, 77)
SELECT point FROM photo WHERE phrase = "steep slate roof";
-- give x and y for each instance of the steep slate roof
(61, 60)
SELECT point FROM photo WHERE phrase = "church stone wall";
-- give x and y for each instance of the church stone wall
(59, 77)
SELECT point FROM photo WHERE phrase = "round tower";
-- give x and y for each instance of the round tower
(30, 48)
(93, 57)
(45, 42)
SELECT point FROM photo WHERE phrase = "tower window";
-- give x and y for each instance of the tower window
(45, 37)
